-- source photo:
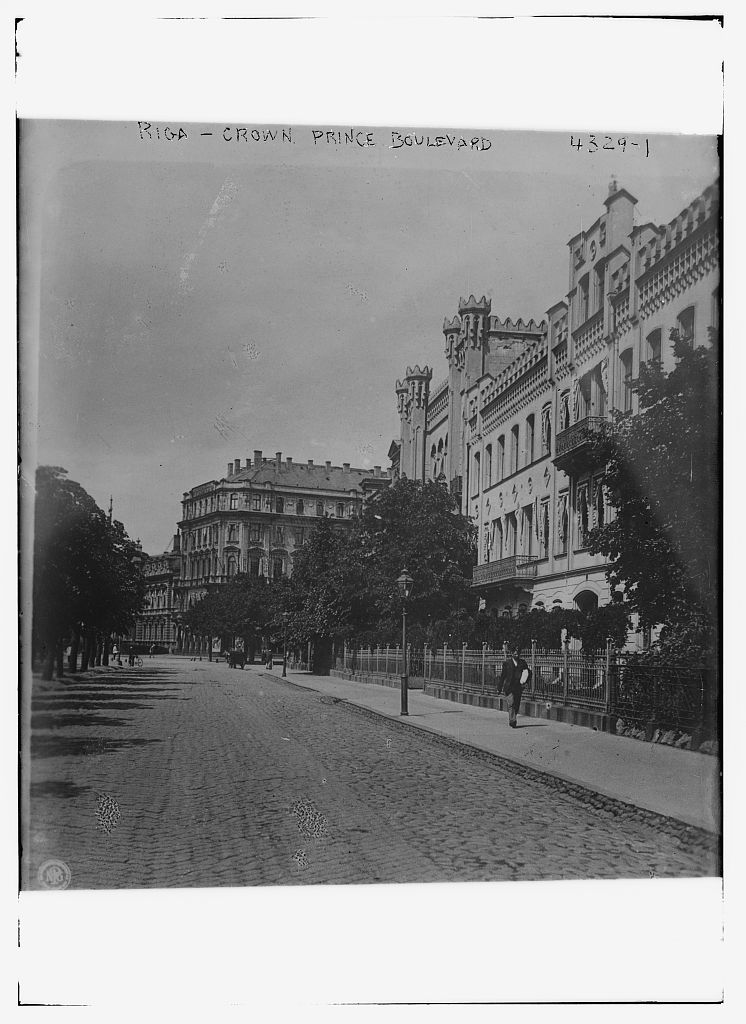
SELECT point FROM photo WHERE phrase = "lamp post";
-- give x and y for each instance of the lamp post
(404, 584)
(285, 619)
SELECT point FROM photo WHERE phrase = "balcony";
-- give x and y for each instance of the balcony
(505, 570)
(574, 444)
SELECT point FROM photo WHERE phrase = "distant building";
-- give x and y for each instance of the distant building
(157, 622)
(257, 516)
(508, 430)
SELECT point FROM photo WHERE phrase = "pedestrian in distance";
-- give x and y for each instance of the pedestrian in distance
(513, 677)
(152, 648)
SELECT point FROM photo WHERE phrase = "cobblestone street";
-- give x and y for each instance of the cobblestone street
(190, 774)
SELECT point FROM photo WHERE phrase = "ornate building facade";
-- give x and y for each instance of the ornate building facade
(157, 622)
(508, 430)
(256, 517)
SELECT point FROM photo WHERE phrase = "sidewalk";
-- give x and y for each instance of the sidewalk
(680, 784)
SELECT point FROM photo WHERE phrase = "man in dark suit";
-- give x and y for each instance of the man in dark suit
(513, 677)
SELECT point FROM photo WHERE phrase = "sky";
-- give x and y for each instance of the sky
(186, 301)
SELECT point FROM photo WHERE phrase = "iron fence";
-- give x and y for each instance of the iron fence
(634, 687)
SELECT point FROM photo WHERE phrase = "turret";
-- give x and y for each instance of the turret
(412, 398)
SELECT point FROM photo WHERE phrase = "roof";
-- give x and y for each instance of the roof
(298, 475)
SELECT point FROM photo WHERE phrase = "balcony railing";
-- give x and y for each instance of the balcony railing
(571, 442)
(515, 567)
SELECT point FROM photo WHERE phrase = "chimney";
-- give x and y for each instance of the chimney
(289, 461)
(346, 467)
(376, 471)
(310, 463)
(230, 469)
(248, 463)
(328, 466)
(238, 466)
(278, 459)
(257, 458)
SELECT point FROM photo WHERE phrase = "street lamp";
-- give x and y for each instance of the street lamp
(404, 583)
(285, 620)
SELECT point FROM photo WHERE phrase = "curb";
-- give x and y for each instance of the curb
(690, 835)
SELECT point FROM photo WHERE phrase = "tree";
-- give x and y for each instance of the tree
(662, 482)
(344, 585)
(87, 576)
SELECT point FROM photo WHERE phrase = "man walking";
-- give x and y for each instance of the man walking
(513, 677)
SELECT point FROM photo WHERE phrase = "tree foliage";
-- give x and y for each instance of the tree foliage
(344, 585)
(662, 482)
(87, 574)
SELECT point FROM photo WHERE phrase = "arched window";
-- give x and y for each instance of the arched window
(488, 465)
(685, 325)
(234, 501)
(582, 515)
(231, 566)
(476, 466)
(528, 441)
(500, 463)
(653, 345)
(599, 504)
(277, 568)
(299, 509)
(564, 411)
(625, 367)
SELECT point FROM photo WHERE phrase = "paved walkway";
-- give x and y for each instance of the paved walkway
(182, 774)
(681, 784)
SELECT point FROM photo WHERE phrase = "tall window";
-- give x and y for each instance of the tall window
(299, 508)
(234, 501)
(500, 467)
(476, 465)
(583, 300)
(231, 566)
(511, 534)
(340, 510)
(546, 430)
(488, 465)
(256, 502)
(255, 532)
(563, 524)
(598, 288)
(254, 565)
(564, 411)
(277, 568)
(279, 504)
(497, 541)
(599, 506)
(685, 324)
(232, 533)
(544, 528)
(528, 530)
(582, 497)
(653, 346)
(625, 366)
(514, 448)
(528, 441)
(319, 508)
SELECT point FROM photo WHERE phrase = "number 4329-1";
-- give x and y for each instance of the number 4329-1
(595, 143)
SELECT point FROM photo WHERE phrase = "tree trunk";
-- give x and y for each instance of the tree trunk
(49, 659)
(60, 659)
(99, 648)
(72, 661)
(86, 655)
(105, 650)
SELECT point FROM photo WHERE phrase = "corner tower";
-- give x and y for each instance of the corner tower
(412, 395)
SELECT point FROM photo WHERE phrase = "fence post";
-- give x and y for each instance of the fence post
(463, 664)
(533, 667)
(425, 653)
(396, 662)
(565, 668)
(484, 654)
(608, 674)
(445, 648)
(344, 655)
